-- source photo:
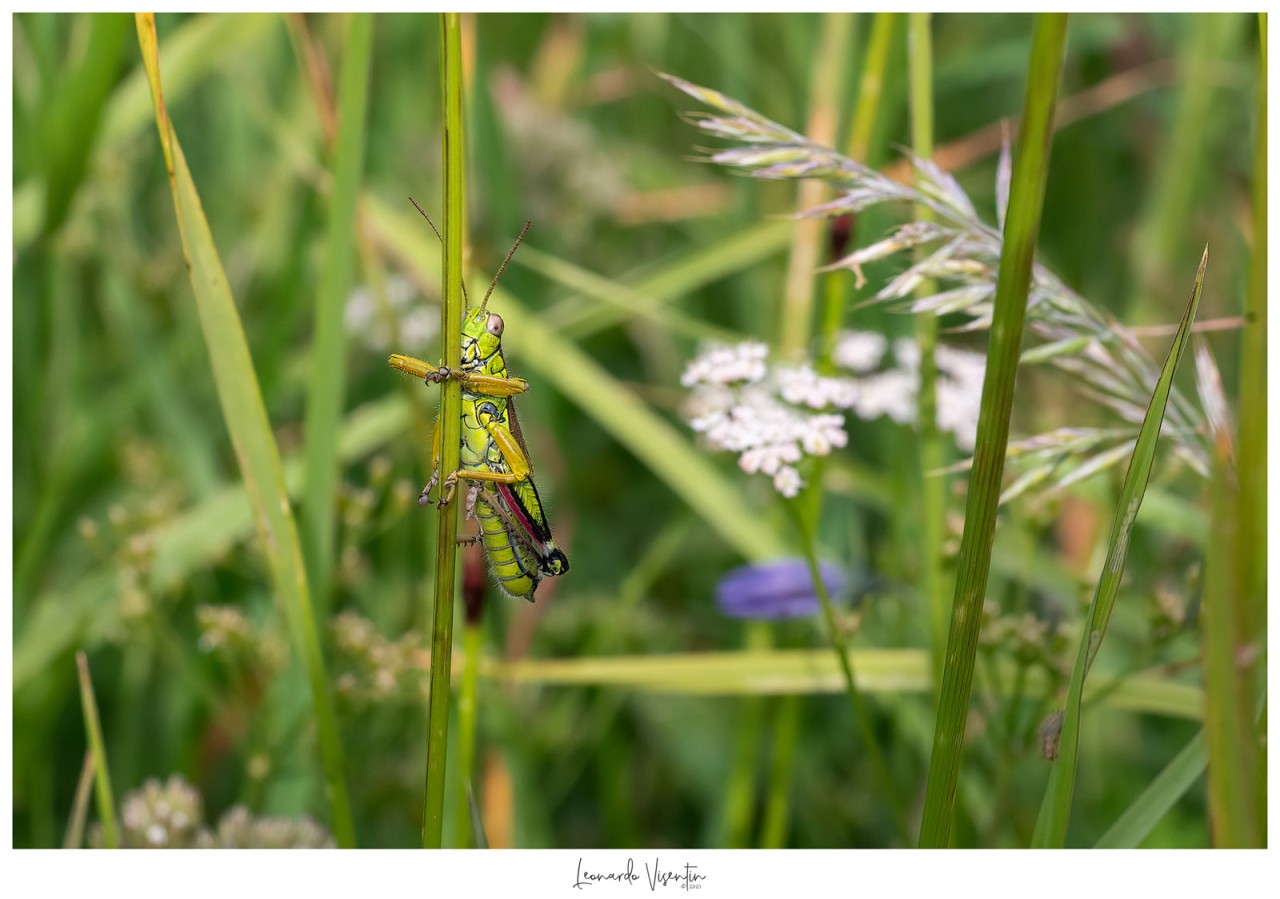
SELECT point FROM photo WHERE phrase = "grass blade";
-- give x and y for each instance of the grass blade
(777, 672)
(1055, 810)
(101, 774)
(326, 384)
(251, 436)
(1170, 785)
(72, 114)
(1026, 200)
(74, 838)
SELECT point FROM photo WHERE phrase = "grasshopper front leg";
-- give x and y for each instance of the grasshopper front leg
(486, 385)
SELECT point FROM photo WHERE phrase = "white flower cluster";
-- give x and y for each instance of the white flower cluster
(741, 405)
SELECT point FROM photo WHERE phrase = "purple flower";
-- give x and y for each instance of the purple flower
(778, 589)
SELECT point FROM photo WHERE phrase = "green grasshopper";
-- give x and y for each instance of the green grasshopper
(502, 497)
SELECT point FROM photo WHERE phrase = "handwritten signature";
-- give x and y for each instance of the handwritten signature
(656, 876)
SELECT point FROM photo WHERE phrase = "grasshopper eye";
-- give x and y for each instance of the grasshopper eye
(494, 325)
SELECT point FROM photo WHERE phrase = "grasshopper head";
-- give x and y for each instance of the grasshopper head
(481, 336)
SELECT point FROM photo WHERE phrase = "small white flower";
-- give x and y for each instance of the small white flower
(802, 386)
(859, 351)
(787, 482)
(770, 458)
(742, 363)
(824, 432)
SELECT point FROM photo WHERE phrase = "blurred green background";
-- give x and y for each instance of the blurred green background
(133, 540)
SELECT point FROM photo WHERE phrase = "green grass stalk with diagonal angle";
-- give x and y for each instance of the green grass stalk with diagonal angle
(1022, 226)
(98, 750)
(251, 436)
(1055, 810)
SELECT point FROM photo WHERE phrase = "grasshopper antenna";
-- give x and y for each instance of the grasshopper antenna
(465, 299)
(501, 268)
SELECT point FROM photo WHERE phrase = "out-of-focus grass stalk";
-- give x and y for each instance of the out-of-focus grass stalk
(1230, 647)
(866, 110)
(1162, 235)
(1055, 810)
(251, 436)
(932, 486)
(453, 150)
(1234, 606)
(740, 793)
(326, 382)
(1141, 817)
(772, 672)
(875, 755)
(1252, 447)
(777, 807)
(796, 327)
(1026, 199)
(74, 837)
(101, 775)
(871, 85)
(796, 323)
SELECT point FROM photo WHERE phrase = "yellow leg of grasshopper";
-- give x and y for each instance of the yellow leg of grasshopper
(491, 386)
(484, 384)
(417, 368)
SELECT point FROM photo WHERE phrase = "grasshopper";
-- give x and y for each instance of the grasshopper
(493, 457)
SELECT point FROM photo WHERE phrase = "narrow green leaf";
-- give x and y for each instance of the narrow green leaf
(1055, 810)
(703, 265)
(766, 672)
(1170, 785)
(71, 117)
(74, 838)
(251, 435)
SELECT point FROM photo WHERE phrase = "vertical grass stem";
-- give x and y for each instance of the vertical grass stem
(451, 312)
(1026, 200)
(933, 487)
